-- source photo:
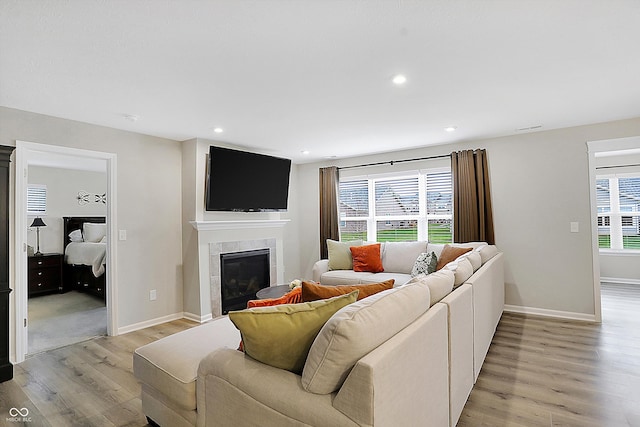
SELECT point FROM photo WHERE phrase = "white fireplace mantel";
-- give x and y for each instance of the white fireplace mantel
(238, 224)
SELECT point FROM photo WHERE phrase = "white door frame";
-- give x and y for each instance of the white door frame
(24, 151)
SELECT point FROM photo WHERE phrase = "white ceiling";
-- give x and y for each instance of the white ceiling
(285, 76)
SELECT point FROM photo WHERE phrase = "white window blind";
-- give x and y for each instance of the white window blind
(618, 202)
(36, 199)
(408, 207)
(439, 198)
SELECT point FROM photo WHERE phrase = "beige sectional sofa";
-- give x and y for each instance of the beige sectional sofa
(400, 357)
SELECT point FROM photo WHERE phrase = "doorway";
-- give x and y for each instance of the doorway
(614, 182)
(28, 154)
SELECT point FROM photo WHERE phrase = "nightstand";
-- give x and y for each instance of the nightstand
(45, 274)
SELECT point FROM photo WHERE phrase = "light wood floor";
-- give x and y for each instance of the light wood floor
(539, 372)
(546, 372)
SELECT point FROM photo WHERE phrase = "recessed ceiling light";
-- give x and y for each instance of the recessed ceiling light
(450, 129)
(131, 117)
(399, 79)
(305, 152)
(218, 130)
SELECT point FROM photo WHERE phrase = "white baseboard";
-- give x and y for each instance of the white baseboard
(148, 323)
(619, 280)
(550, 313)
(196, 318)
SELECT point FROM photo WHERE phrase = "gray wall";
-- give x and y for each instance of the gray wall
(540, 183)
(149, 206)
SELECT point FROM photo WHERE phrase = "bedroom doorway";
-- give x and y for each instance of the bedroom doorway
(81, 304)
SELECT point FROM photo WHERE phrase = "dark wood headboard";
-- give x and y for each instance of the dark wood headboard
(75, 223)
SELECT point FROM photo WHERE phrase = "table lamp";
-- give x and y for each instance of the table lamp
(37, 222)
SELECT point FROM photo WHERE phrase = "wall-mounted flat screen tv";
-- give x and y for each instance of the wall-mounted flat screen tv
(240, 181)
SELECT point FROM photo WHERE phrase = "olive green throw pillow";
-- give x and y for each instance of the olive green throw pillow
(281, 335)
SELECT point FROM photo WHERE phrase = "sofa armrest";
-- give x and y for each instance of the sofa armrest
(404, 381)
(234, 389)
(319, 268)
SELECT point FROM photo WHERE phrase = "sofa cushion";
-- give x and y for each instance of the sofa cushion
(474, 258)
(462, 269)
(399, 257)
(487, 252)
(340, 255)
(170, 365)
(440, 284)
(281, 335)
(425, 264)
(312, 291)
(357, 329)
(450, 253)
(367, 258)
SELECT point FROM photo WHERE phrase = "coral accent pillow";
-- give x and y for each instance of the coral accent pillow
(312, 291)
(367, 258)
(291, 297)
(450, 253)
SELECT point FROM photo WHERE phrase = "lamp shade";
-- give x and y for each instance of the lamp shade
(37, 222)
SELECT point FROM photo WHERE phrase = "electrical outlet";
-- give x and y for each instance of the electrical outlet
(152, 295)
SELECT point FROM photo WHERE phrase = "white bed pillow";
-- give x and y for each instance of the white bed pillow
(76, 236)
(93, 232)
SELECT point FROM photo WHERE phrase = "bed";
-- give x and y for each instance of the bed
(85, 250)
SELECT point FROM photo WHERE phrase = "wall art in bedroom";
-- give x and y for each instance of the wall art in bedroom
(85, 198)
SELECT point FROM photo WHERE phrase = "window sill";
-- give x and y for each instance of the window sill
(620, 252)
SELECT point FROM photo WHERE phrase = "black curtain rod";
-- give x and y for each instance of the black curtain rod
(392, 162)
(620, 166)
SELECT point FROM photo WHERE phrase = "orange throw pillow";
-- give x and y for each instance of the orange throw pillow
(312, 291)
(291, 297)
(367, 258)
(450, 253)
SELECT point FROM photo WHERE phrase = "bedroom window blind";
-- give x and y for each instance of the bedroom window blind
(36, 199)
(413, 206)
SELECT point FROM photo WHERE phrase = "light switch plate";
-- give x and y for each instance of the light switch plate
(122, 235)
(575, 227)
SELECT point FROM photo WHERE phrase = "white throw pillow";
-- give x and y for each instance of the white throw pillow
(76, 236)
(93, 232)
(357, 329)
(399, 257)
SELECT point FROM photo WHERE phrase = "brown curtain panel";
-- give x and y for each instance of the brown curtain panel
(328, 208)
(472, 213)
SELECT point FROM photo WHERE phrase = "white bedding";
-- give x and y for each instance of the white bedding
(87, 253)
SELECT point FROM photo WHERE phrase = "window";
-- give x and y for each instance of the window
(618, 200)
(413, 206)
(36, 199)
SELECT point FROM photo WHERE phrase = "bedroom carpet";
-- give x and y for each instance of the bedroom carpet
(61, 319)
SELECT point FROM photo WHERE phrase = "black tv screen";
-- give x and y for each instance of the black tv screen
(246, 182)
